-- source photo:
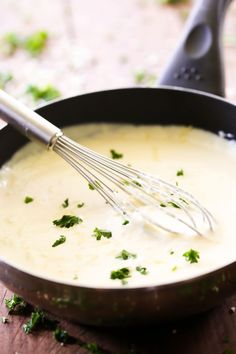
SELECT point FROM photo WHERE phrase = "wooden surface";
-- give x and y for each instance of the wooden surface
(94, 45)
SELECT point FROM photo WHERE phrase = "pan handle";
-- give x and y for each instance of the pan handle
(197, 61)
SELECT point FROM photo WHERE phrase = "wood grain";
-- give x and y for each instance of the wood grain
(98, 45)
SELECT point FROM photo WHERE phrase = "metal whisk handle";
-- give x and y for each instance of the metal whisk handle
(26, 121)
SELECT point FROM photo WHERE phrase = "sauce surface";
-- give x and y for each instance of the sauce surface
(208, 163)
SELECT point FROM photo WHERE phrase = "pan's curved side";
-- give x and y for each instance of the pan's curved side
(123, 307)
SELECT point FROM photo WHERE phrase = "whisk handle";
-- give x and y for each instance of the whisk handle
(26, 121)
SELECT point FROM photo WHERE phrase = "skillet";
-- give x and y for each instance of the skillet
(197, 66)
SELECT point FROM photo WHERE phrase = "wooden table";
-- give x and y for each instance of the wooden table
(97, 45)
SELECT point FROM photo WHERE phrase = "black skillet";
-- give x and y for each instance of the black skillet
(196, 64)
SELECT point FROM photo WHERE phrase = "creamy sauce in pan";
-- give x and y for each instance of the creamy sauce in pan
(27, 231)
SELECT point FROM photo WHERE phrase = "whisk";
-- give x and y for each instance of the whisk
(132, 193)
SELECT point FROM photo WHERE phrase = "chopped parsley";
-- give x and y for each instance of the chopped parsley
(36, 319)
(93, 348)
(163, 205)
(125, 222)
(174, 269)
(180, 173)
(144, 77)
(11, 41)
(126, 255)
(173, 205)
(46, 93)
(191, 256)
(60, 335)
(65, 204)
(80, 205)
(171, 252)
(4, 79)
(16, 304)
(115, 155)
(28, 200)
(4, 319)
(35, 43)
(60, 241)
(142, 270)
(99, 233)
(67, 221)
(120, 274)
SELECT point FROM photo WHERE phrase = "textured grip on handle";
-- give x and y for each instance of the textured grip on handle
(197, 62)
(29, 123)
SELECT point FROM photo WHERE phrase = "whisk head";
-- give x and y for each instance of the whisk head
(134, 193)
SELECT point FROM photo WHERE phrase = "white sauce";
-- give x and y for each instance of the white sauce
(27, 232)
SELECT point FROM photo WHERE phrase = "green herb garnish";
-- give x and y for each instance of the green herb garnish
(174, 205)
(11, 41)
(172, 252)
(28, 200)
(46, 93)
(125, 222)
(80, 205)
(115, 155)
(121, 274)
(67, 221)
(35, 43)
(36, 319)
(191, 256)
(180, 173)
(60, 335)
(65, 204)
(93, 348)
(163, 205)
(99, 233)
(142, 270)
(174, 269)
(126, 255)
(58, 242)
(144, 77)
(4, 79)
(15, 304)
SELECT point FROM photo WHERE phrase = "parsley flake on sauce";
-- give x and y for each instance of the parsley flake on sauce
(120, 274)
(142, 270)
(65, 204)
(67, 221)
(60, 241)
(180, 173)
(80, 205)
(191, 256)
(91, 186)
(125, 222)
(99, 233)
(28, 200)
(126, 255)
(115, 155)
